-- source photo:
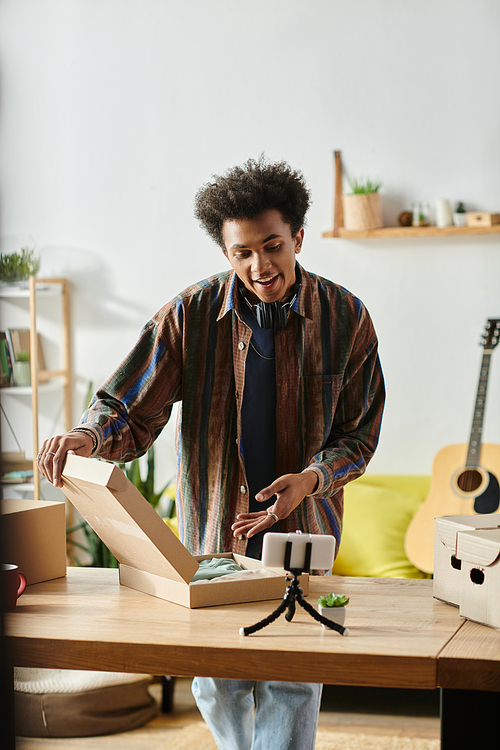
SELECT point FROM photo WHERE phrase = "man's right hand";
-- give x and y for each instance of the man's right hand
(52, 455)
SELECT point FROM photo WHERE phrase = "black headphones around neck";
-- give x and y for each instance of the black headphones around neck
(272, 314)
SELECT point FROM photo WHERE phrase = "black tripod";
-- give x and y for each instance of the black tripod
(294, 594)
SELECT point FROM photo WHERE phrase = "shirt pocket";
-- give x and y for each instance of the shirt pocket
(320, 397)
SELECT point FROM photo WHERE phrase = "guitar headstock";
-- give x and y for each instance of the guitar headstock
(491, 334)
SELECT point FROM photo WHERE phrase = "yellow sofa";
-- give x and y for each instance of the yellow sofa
(377, 511)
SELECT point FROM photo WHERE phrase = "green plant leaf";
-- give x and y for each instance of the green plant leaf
(333, 600)
(18, 266)
(365, 187)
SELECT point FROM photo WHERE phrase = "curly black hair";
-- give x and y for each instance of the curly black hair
(245, 192)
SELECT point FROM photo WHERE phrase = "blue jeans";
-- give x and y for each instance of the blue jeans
(247, 715)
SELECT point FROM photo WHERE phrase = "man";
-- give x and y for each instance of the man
(281, 395)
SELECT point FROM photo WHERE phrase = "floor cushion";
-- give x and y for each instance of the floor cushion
(74, 703)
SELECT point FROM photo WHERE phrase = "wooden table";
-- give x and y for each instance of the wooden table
(399, 636)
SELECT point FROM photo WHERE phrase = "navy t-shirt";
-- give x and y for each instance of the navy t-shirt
(258, 419)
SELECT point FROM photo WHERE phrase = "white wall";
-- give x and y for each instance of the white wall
(114, 112)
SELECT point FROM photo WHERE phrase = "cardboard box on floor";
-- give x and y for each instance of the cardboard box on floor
(151, 558)
(34, 537)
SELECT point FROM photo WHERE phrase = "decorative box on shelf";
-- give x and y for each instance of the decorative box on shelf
(481, 219)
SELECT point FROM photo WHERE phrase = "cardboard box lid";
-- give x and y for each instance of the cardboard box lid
(124, 520)
(15, 505)
(479, 547)
(447, 527)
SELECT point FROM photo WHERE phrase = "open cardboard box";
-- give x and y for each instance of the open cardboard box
(151, 558)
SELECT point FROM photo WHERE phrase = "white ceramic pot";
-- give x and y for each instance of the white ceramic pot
(335, 614)
(22, 373)
(460, 220)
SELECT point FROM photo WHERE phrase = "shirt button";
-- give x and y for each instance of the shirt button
(241, 345)
(243, 489)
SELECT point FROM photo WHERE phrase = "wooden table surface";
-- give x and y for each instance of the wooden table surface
(397, 631)
(471, 660)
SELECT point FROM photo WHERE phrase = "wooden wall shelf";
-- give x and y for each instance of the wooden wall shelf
(348, 234)
(388, 232)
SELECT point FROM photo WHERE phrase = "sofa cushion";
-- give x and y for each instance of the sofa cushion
(375, 521)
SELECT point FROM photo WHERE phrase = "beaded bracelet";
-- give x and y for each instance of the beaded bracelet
(87, 432)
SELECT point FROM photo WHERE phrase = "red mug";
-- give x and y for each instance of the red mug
(13, 585)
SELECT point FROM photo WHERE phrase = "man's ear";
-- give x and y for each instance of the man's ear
(299, 238)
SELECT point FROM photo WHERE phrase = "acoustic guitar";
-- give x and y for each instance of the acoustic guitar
(464, 477)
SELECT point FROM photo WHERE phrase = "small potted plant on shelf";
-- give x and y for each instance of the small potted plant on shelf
(22, 369)
(363, 207)
(460, 216)
(16, 267)
(333, 607)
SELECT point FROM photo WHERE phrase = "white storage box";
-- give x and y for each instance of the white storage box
(151, 557)
(479, 552)
(447, 561)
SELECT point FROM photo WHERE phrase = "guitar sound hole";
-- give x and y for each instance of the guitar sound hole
(469, 480)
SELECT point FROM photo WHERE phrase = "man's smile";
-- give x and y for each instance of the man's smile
(266, 281)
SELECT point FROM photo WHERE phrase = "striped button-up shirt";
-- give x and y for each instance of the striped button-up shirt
(330, 397)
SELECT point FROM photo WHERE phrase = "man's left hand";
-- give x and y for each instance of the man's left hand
(290, 490)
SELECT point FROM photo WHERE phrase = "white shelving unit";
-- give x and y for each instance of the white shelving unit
(43, 381)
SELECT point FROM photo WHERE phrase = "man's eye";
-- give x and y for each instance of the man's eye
(274, 247)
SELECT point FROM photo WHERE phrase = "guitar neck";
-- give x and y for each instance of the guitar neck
(474, 451)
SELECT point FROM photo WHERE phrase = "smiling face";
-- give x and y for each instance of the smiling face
(262, 253)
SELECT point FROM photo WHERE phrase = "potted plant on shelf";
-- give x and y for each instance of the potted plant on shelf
(460, 216)
(363, 207)
(22, 369)
(16, 267)
(333, 607)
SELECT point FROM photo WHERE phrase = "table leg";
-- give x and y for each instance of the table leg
(167, 697)
(468, 717)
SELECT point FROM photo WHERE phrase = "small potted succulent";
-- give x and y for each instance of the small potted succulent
(333, 607)
(460, 216)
